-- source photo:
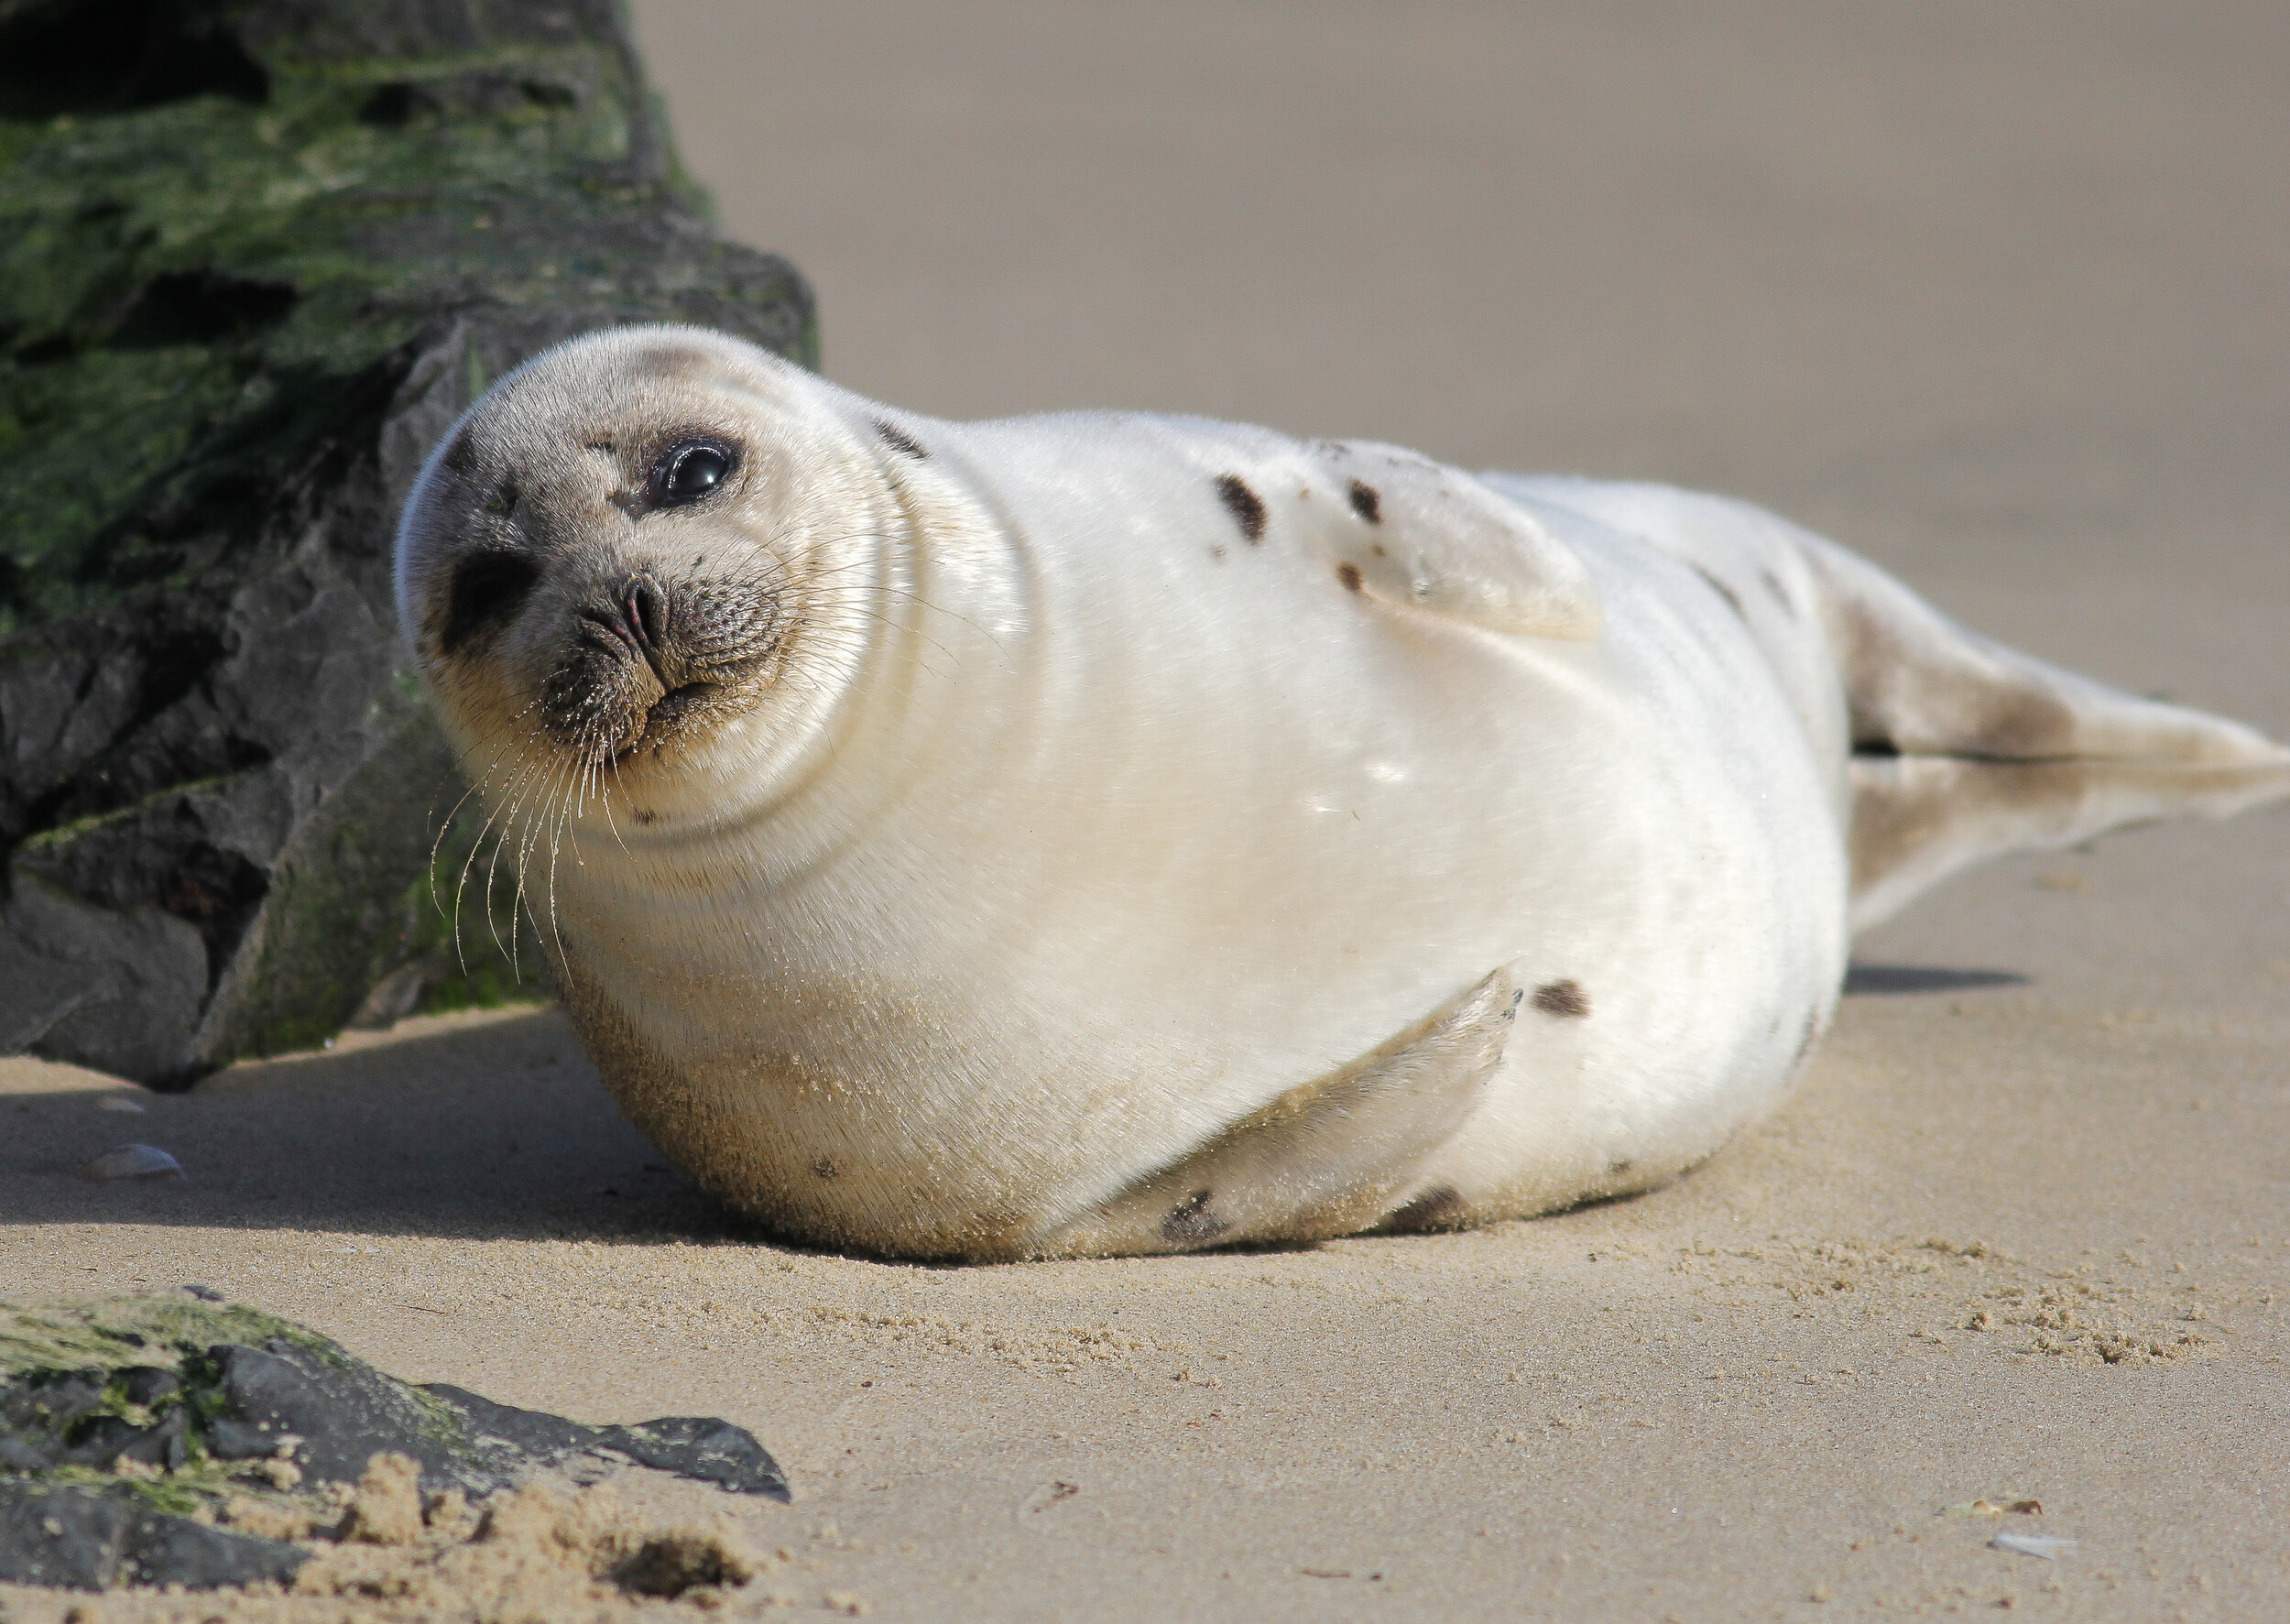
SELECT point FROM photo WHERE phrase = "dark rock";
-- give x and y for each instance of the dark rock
(343, 1412)
(85, 1539)
(219, 787)
(223, 1400)
(695, 1446)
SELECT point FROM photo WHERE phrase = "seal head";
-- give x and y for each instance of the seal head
(610, 567)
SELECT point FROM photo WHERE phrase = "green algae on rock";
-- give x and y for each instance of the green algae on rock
(164, 1438)
(254, 256)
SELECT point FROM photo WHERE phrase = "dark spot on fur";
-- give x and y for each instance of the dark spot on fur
(1190, 1222)
(825, 1167)
(1377, 548)
(1349, 575)
(1810, 1036)
(1435, 1209)
(1615, 1169)
(1733, 599)
(1564, 1000)
(676, 361)
(898, 440)
(461, 456)
(1245, 507)
(643, 817)
(1366, 502)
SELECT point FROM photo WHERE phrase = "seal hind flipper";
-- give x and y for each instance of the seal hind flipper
(1416, 534)
(1918, 819)
(1964, 749)
(1329, 1156)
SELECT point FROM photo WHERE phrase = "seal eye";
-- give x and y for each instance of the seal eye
(691, 470)
(486, 589)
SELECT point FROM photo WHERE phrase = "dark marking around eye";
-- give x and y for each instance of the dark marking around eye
(1722, 590)
(1349, 575)
(1190, 1222)
(1366, 502)
(1564, 1000)
(1245, 507)
(898, 441)
(486, 589)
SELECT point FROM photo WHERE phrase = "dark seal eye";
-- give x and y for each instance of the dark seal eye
(691, 470)
(487, 587)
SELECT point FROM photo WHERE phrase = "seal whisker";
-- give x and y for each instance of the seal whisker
(529, 839)
(543, 780)
(500, 808)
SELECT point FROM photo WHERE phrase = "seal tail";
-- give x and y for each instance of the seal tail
(1964, 749)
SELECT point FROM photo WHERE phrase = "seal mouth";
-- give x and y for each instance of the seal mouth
(667, 716)
(652, 663)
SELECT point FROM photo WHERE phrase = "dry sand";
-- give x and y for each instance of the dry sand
(2001, 296)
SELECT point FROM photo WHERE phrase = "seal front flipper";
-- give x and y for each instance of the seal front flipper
(1330, 1157)
(1417, 534)
(1965, 749)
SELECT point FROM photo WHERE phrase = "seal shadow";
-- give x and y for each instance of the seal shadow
(493, 1130)
(1863, 980)
(496, 1128)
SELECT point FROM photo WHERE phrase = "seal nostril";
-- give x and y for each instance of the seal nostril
(645, 607)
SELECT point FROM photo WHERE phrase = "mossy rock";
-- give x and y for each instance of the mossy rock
(254, 257)
(130, 1427)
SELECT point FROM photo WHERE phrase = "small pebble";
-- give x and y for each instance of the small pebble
(2050, 1547)
(114, 1102)
(133, 1161)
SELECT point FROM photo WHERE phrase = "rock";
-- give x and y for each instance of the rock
(255, 256)
(86, 1539)
(181, 1408)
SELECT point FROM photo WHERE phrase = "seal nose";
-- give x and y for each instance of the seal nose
(637, 619)
(644, 611)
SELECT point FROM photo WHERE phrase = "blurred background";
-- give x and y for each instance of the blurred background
(1999, 294)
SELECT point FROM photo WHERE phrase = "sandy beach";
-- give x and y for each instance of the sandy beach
(1999, 297)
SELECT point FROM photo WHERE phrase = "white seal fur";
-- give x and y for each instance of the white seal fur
(1104, 833)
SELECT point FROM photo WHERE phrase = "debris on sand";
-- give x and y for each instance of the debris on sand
(132, 1161)
(2050, 1547)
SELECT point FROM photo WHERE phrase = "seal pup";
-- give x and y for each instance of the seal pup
(1108, 833)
